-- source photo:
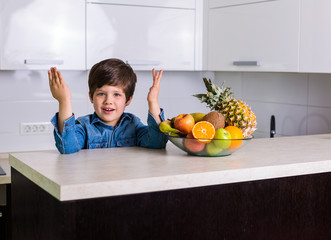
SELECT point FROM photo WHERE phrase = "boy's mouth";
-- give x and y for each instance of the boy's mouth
(108, 110)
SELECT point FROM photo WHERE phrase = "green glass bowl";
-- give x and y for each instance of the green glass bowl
(208, 148)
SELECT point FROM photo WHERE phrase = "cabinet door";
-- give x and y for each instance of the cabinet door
(37, 34)
(254, 37)
(143, 36)
(315, 44)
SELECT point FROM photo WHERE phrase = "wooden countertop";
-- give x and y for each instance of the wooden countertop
(118, 171)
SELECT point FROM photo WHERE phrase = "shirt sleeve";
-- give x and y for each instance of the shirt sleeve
(72, 138)
(150, 136)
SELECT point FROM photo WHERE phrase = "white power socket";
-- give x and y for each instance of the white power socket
(36, 128)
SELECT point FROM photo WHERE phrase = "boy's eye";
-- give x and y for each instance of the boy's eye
(117, 94)
(100, 94)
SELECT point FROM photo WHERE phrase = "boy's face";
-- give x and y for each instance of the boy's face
(109, 103)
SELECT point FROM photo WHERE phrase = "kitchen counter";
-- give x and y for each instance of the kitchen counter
(4, 164)
(275, 188)
(120, 171)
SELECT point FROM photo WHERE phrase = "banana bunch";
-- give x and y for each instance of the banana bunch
(166, 127)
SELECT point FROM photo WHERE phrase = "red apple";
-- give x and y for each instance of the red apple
(184, 123)
(193, 145)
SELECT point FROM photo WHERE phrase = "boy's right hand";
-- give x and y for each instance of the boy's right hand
(60, 92)
(58, 86)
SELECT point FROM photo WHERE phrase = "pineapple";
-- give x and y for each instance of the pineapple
(236, 112)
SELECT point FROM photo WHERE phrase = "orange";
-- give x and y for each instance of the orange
(235, 133)
(203, 131)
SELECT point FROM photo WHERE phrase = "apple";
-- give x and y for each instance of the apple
(225, 137)
(184, 123)
(212, 148)
(193, 145)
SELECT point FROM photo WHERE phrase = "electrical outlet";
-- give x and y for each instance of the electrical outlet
(36, 128)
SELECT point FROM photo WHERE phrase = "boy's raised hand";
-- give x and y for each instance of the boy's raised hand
(153, 96)
(58, 86)
(62, 94)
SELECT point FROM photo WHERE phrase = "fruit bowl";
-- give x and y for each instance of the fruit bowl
(208, 147)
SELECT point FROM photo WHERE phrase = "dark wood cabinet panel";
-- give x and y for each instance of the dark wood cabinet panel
(284, 208)
(5, 212)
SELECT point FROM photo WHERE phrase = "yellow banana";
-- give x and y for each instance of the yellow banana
(165, 127)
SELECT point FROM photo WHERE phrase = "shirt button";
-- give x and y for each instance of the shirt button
(66, 124)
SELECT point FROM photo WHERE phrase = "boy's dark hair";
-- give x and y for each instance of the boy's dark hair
(113, 72)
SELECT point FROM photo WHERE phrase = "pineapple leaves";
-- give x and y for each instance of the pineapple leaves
(202, 97)
(208, 84)
(215, 95)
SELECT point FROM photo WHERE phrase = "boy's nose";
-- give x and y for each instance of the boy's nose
(108, 100)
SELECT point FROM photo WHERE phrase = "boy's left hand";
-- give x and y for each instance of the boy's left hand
(153, 95)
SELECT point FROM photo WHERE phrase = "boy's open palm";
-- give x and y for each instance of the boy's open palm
(58, 86)
(62, 94)
(153, 94)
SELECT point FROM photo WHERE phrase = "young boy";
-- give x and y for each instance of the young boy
(111, 86)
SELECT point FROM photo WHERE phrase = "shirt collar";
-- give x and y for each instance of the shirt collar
(96, 119)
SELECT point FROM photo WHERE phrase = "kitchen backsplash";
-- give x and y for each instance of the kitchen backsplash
(301, 102)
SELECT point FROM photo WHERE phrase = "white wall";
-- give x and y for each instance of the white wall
(25, 97)
(300, 102)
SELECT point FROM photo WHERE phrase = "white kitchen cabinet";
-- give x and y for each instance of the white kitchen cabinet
(156, 34)
(260, 36)
(38, 34)
(227, 3)
(315, 45)
(151, 3)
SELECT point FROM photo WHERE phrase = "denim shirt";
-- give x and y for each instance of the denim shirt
(89, 132)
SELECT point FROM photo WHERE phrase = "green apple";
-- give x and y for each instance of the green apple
(223, 134)
(212, 149)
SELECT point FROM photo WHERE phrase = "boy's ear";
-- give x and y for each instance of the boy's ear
(128, 102)
(89, 94)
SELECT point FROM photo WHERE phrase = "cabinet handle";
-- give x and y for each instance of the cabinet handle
(247, 63)
(143, 62)
(43, 61)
